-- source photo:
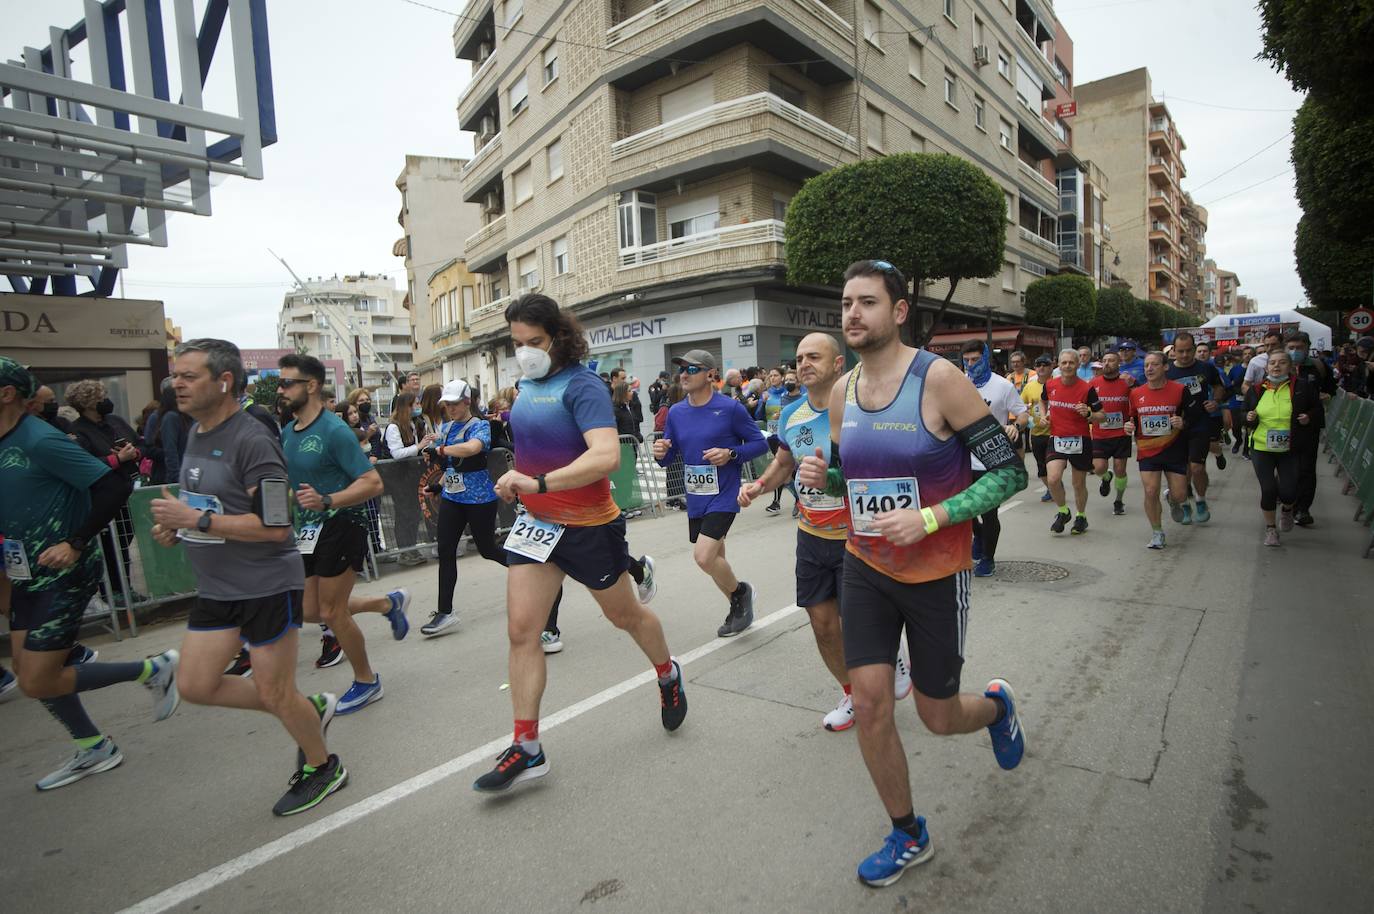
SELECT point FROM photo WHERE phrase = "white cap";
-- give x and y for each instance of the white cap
(454, 391)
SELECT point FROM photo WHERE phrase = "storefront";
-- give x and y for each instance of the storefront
(118, 341)
(1033, 341)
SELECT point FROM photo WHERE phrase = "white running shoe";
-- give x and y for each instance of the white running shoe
(163, 684)
(101, 757)
(842, 718)
(438, 624)
(550, 642)
(901, 675)
(649, 588)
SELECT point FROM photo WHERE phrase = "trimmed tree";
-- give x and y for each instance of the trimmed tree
(1333, 167)
(1117, 313)
(933, 216)
(1068, 296)
(1334, 270)
(1323, 48)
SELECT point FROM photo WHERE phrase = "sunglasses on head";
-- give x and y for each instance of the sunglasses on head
(690, 369)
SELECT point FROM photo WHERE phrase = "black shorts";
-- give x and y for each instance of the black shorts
(1040, 449)
(1173, 459)
(715, 525)
(820, 566)
(592, 556)
(1112, 448)
(1200, 443)
(1083, 461)
(1215, 424)
(52, 618)
(342, 545)
(876, 608)
(259, 620)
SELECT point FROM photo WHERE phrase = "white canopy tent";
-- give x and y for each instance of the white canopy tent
(1319, 332)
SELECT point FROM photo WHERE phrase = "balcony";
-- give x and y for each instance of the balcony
(1040, 181)
(486, 245)
(476, 24)
(487, 318)
(759, 129)
(480, 170)
(1038, 59)
(802, 30)
(480, 90)
(1161, 231)
(1160, 204)
(1037, 240)
(1037, 135)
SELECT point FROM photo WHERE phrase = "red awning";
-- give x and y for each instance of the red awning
(950, 340)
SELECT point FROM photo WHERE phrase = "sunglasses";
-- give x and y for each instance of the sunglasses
(290, 382)
(690, 369)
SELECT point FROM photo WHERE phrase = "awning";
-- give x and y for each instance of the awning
(1002, 338)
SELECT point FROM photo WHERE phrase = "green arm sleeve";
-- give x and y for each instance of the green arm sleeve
(989, 491)
(834, 477)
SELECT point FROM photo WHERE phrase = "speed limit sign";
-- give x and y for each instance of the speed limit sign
(1360, 320)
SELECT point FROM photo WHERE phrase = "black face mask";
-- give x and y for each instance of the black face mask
(364, 410)
(105, 407)
(791, 386)
(49, 412)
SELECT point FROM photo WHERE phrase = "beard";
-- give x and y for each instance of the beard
(872, 339)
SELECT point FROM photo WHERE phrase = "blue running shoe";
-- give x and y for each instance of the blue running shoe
(1203, 515)
(1008, 736)
(1176, 511)
(1187, 513)
(984, 568)
(899, 852)
(7, 681)
(977, 547)
(1046, 496)
(396, 615)
(359, 696)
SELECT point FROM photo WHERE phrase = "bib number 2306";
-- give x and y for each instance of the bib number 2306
(701, 480)
(533, 538)
(870, 497)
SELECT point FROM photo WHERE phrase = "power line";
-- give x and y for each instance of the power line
(1175, 98)
(1249, 187)
(1242, 162)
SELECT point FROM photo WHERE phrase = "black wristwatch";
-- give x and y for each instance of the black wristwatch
(543, 484)
(328, 501)
(77, 543)
(734, 455)
(203, 522)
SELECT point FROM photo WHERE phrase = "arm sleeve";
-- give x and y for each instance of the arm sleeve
(169, 437)
(108, 493)
(393, 443)
(752, 443)
(1094, 401)
(1005, 475)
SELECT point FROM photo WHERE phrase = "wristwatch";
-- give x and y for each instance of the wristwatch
(203, 522)
(734, 455)
(543, 484)
(328, 502)
(77, 543)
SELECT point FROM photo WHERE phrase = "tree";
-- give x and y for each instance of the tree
(1323, 47)
(1334, 270)
(1117, 313)
(1333, 165)
(264, 390)
(1068, 296)
(933, 216)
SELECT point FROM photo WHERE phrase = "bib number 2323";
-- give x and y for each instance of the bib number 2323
(533, 538)
(308, 538)
(870, 497)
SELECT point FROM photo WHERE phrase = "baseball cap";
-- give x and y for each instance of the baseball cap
(12, 374)
(454, 391)
(1043, 360)
(696, 357)
(1126, 344)
(1366, 342)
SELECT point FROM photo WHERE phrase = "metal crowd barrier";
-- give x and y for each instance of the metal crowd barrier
(1349, 440)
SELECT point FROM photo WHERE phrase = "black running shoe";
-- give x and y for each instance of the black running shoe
(80, 653)
(330, 652)
(1080, 525)
(1106, 485)
(242, 665)
(673, 698)
(513, 766)
(1060, 520)
(1118, 508)
(741, 614)
(1221, 460)
(1303, 518)
(326, 704)
(308, 789)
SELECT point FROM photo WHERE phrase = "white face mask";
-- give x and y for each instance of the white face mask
(534, 362)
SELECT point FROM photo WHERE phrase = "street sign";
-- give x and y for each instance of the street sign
(746, 340)
(1066, 109)
(1360, 320)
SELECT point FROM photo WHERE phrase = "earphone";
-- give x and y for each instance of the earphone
(224, 387)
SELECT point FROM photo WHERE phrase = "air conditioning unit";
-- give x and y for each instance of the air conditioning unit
(980, 55)
(491, 203)
(488, 126)
(483, 52)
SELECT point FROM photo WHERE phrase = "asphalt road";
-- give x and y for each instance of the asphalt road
(1198, 720)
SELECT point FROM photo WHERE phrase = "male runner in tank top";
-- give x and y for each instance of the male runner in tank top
(904, 426)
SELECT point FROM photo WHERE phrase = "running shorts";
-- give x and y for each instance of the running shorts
(820, 566)
(1082, 461)
(1112, 448)
(593, 556)
(259, 621)
(1199, 443)
(52, 618)
(1173, 459)
(342, 545)
(714, 524)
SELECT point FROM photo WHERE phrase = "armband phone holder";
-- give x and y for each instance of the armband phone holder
(272, 502)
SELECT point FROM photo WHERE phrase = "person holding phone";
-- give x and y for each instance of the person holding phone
(111, 440)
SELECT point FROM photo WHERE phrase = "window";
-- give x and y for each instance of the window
(979, 112)
(1004, 134)
(949, 10)
(514, 10)
(789, 94)
(690, 98)
(522, 185)
(978, 32)
(560, 256)
(1061, 74)
(951, 88)
(780, 202)
(518, 95)
(551, 63)
(554, 153)
(918, 142)
(527, 269)
(638, 219)
(1009, 276)
(873, 22)
(1003, 62)
(915, 58)
(875, 129)
(467, 301)
(1011, 203)
(694, 217)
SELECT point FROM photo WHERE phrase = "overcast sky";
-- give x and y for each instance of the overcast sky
(361, 83)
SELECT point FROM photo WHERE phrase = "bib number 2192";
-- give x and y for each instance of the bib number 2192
(533, 538)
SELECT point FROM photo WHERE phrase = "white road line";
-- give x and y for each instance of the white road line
(232, 869)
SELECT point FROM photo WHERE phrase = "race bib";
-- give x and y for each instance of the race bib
(533, 538)
(1154, 426)
(817, 499)
(453, 482)
(1113, 421)
(870, 497)
(1193, 383)
(17, 561)
(309, 538)
(701, 480)
(1072, 444)
(201, 503)
(772, 428)
(1276, 439)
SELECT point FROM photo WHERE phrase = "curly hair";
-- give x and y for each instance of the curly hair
(84, 395)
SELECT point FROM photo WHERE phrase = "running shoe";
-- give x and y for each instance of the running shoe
(1303, 518)
(309, 788)
(901, 674)
(741, 614)
(1235, 448)
(796, 509)
(1285, 519)
(842, 718)
(8, 682)
(773, 510)
(80, 653)
(103, 756)
(1187, 510)
(1046, 496)
(512, 766)
(1221, 460)
(1203, 515)
(984, 568)
(330, 652)
(1156, 540)
(551, 642)
(411, 559)
(1176, 511)
(360, 695)
(326, 704)
(899, 852)
(242, 665)
(672, 698)
(438, 624)
(1061, 519)
(1080, 525)
(977, 547)
(1008, 736)
(1106, 486)
(396, 615)
(1271, 536)
(648, 588)
(1118, 508)
(163, 684)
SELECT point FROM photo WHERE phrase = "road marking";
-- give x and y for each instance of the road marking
(232, 869)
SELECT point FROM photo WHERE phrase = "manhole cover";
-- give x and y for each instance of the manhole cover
(1030, 572)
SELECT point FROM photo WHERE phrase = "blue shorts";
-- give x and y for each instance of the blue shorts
(593, 556)
(259, 620)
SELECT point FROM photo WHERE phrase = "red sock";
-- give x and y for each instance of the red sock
(848, 689)
(526, 731)
(664, 670)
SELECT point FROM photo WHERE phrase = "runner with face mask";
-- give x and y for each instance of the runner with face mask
(1110, 441)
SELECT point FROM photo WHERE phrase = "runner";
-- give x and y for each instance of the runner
(1070, 402)
(903, 427)
(1110, 441)
(1235, 403)
(332, 479)
(565, 448)
(1160, 412)
(793, 392)
(1032, 395)
(1276, 410)
(715, 437)
(1010, 411)
(1216, 428)
(804, 426)
(57, 499)
(1132, 365)
(233, 516)
(1019, 373)
(1202, 380)
(1307, 436)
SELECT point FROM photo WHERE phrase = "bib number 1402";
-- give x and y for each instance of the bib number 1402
(870, 497)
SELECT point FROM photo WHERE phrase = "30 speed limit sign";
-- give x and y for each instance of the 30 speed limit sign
(1361, 320)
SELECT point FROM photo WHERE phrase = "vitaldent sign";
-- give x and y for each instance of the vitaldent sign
(709, 320)
(47, 322)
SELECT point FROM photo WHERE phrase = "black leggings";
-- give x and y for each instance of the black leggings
(1040, 448)
(1306, 450)
(989, 527)
(1278, 478)
(481, 521)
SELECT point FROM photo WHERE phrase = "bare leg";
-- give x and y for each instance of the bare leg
(620, 603)
(825, 625)
(1080, 489)
(878, 740)
(962, 713)
(710, 557)
(274, 676)
(1149, 481)
(330, 599)
(1055, 480)
(529, 592)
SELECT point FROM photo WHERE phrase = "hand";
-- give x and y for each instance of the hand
(1252, 417)
(812, 470)
(1013, 432)
(58, 556)
(127, 453)
(1210, 406)
(748, 493)
(1324, 396)
(1303, 418)
(514, 484)
(173, 514)
(903, 527)
(1175, 422)
(164, 536)
(661, 447)
(716, 456)
(1084, 410)
(308, 498)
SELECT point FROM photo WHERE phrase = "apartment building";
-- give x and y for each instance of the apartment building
(360, 320)
(1245, 304)
(452, 292)
(1211, 305)
(1192, 255)
(635, 160)
(1228, 295)
(1132, 137)
(436, 221)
